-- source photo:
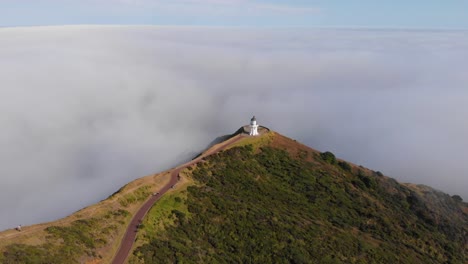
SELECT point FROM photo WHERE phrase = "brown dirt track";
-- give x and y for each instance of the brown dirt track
(130, 235)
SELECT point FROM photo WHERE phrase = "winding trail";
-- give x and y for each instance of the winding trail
(130, 235)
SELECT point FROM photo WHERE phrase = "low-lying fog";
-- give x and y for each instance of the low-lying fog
(84, 110)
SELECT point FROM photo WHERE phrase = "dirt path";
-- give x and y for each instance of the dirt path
(130, 235)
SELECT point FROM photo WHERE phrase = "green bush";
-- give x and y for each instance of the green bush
(345, 166)
(328, 157)
(378, 173)
(457, 198)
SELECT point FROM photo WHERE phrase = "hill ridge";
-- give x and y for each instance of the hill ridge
(324, 167)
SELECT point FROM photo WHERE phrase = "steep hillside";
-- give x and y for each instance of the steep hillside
(272, 199)
(266, 199)
(91, 235)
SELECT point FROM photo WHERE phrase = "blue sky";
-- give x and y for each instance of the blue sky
(431, 14)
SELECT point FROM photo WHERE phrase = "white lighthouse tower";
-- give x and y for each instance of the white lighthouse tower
(253, 127)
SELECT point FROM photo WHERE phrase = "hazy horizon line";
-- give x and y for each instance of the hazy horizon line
(365, 28)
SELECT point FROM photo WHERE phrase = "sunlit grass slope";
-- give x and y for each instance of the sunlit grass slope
(91, 235)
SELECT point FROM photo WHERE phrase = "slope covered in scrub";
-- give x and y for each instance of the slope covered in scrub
(276, 200)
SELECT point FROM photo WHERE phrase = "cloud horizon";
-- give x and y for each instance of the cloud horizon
(86, 109)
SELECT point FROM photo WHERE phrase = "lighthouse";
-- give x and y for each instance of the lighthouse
(253, 127)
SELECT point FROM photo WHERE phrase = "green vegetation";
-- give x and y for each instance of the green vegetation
(139, 195)
(328, 157)
(263, 202)
(457, 198)
(345, 166)
(256, 142)
(378, 173)
(168, 211)
(263, 206)
(66, 244)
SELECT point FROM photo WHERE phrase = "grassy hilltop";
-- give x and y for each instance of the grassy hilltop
(267, 199)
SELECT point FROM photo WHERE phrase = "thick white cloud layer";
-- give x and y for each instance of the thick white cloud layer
(84, 110)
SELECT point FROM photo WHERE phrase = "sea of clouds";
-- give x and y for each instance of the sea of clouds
(86, 109)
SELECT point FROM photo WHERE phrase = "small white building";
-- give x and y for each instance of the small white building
(253, 127)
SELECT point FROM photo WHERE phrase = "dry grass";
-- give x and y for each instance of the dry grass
(35, 234)
(256, 141)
